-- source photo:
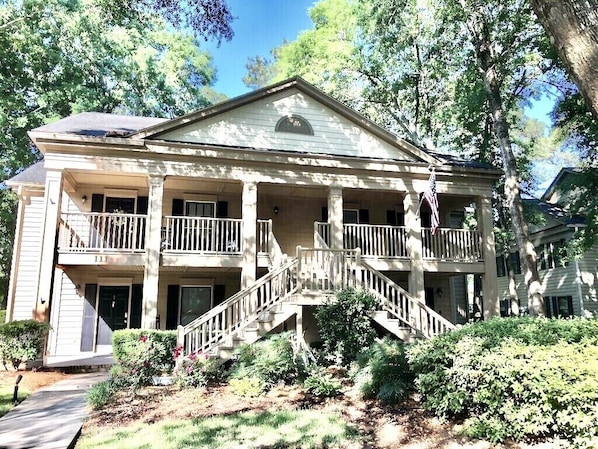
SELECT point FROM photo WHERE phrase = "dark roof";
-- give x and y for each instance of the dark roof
(555, 212)
(35, 174)
(100, 124)
(457, 161)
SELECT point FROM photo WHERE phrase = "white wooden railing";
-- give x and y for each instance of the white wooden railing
(457, 245)
(399, 303)
(92, 231)
(322, 269)
(312, 270)
(264, 230)
(202, 234)
(238, 311)
(376, 240)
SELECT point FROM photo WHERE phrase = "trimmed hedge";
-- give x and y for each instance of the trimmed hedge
(141, 354)
(521, 378)
(22, 341)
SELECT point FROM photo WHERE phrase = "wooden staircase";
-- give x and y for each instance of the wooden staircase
(271, 300)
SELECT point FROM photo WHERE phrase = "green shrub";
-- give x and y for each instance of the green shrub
(322, 384)
(250, 387)
(99, 394)
(271, 360)
(142, 354)
(198, 370)
(345, 325)
(515, 378)
(383, 372)
(22, 341)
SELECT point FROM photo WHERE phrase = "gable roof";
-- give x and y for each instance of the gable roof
(32, 175)
(100, 124)
(160, 129)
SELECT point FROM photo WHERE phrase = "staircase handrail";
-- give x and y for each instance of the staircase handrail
(234, 314)
(401, 304)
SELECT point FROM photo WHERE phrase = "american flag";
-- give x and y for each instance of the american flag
(432, 199)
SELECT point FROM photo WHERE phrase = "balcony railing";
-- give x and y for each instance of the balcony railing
(456, 245)
(92, 232)
(202, 235)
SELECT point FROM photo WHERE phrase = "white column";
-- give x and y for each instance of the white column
(249, 234)
(53, 198)
(335, 217)
(490, 301)
(153, 240)
(414, 246)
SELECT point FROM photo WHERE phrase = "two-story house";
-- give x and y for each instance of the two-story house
(239, 219)
(569, 286)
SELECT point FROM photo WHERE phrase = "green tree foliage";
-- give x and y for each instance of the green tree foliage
(61, 57)
(345, 325)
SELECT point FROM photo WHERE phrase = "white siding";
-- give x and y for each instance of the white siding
(555, 282)
(253, 126)
(28, 264)
(589, 274)
(70, 315)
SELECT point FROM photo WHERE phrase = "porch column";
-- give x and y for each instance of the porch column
(335, 217)
(52, 200)
(490, 302)
(249, 234)
(414, 246)
(153, 240)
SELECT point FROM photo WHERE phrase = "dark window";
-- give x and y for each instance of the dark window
(515, 262)
(559, 306)
(294, 124)
(501, 269)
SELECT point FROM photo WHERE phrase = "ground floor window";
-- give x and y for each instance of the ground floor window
(559, 306)
(195, 301)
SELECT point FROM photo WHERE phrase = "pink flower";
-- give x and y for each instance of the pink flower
(143, 338)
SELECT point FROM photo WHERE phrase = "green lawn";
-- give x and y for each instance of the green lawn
(278, 429)
(6, 394)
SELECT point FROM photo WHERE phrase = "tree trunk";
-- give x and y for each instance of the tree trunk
(487, 64)
(572, 26)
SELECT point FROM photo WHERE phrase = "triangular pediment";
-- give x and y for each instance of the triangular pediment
(264, 120)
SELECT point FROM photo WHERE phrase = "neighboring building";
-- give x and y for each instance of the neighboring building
(569, 286)
(245, 214)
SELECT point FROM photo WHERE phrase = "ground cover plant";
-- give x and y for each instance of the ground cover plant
(520, 378)
(266, 429)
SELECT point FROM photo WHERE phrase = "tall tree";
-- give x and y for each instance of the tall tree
(501, 40)
(573, 29)
(62, 57)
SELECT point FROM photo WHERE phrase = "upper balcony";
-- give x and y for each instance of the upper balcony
(387, 246)
(118, 238)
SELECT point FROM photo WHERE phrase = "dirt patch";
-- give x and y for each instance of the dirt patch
(32, 380)
(406, 426)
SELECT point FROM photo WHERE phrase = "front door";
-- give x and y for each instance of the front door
(113, 312)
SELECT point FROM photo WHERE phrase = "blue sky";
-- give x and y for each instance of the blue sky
(259, 26)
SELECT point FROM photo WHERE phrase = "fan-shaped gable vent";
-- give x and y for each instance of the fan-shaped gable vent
(294, 124)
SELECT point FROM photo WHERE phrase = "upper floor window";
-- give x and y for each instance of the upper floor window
(552, 254)
(294, 124)
(503, 265)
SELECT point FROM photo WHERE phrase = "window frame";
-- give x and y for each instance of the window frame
(188, 286)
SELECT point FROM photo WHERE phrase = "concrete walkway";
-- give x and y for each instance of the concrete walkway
(51, 417)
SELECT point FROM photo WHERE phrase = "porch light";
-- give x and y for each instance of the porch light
(84, 199)
(439, 292)
(276, 209)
